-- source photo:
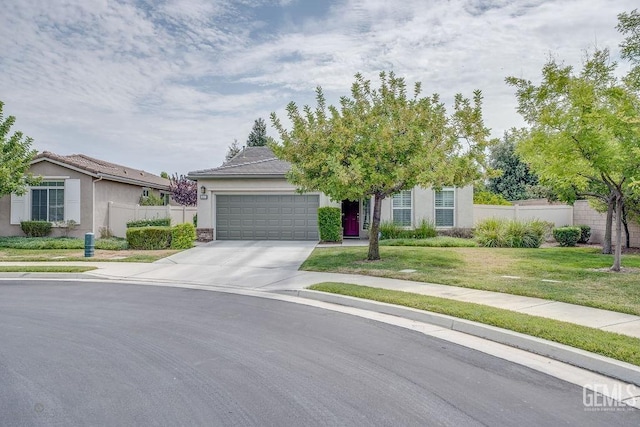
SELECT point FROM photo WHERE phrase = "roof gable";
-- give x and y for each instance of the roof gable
(250, 162)
(103, 169)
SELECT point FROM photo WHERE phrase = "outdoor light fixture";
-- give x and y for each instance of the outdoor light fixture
(203, 190)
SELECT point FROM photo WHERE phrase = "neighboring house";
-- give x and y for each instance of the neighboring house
(249, 198)
(78, 188)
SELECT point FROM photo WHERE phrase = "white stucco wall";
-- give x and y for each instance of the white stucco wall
(422, 200)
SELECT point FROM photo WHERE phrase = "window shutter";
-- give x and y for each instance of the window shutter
(72, 200)
(20, 208)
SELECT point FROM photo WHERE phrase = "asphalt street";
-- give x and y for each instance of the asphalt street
(78, 353)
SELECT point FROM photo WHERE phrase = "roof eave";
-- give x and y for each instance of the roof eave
(195, 177)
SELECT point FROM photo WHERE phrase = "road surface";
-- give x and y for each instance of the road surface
(78, 353)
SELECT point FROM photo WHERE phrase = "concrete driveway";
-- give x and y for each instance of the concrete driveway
(287, 255)
(244, 264)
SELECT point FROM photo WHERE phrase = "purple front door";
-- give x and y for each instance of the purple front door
(350, 218)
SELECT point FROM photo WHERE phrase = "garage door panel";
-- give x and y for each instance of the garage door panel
(270, 217)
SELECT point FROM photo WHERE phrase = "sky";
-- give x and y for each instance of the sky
(167, 85)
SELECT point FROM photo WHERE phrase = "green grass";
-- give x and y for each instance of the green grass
(605, 343)
(581, 272)
(432, 242)
(44, 269)
(42, 243)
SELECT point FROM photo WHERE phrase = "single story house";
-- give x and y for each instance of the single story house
(249, 198)
(76, 187)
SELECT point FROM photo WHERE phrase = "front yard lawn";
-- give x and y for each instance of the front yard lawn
(572, 275)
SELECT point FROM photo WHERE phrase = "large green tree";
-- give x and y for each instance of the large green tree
(584, 138)
(516, 182)
(15, 157)
(381, 141)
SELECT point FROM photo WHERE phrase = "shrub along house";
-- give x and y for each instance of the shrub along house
(249, 198)
(76, 188)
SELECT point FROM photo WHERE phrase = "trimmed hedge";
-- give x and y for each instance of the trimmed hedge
(36, 228)
(154, 222)
(149, 238)
(330, 224)
(182, 236)
(567, 236)
(585, 233)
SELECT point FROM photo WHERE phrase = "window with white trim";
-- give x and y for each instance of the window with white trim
(445, 207)
(401, 207)
(52, 200)
(47, 201)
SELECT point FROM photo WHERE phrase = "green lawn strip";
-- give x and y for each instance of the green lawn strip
(44, 269)
(433, 242)
(42, 243)
(572, 275)
(60, 255)
(610, 344)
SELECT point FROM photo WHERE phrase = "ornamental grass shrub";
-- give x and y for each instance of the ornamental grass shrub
(504, 233)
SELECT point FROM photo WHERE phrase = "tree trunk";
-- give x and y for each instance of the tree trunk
(374, 247)
(618, 251)
(625, 224)
(606, 244)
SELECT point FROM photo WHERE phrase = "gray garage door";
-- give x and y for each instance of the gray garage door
(267, 217)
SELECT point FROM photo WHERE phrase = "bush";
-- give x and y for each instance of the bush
(36, 228)
(389, 230)
(425, 230)
(489, 198)
(567, 236)
(457, 232)
(182, 236)
(154, 222)
(149, 238)
(503, 233)
(330, 224)
(585, 233)
(151, 200)
(112, 244)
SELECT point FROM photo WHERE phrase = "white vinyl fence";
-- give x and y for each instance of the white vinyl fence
(121, 213)
(559, 215)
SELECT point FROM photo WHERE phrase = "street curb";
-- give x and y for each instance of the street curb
(583, 359)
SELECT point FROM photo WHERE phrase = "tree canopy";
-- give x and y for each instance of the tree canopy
(183, 190)
(584, 138)
(381, 141)
(516, 182)
(258, 135)
(233, 149)
(15, 158)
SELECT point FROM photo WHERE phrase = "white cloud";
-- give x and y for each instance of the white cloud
(167, 86)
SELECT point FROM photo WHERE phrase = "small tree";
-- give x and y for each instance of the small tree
(233, 149)
(382, 141)
(183, 190)
(258, 136)
(15, 158)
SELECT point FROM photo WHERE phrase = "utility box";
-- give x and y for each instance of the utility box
(89, 245)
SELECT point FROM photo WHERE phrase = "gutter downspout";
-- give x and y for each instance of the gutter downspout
(93, 203)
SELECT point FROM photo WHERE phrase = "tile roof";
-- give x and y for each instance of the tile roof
(250, 162)
(106, 170)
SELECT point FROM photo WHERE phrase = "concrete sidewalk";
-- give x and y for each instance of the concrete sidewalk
(272, 279)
